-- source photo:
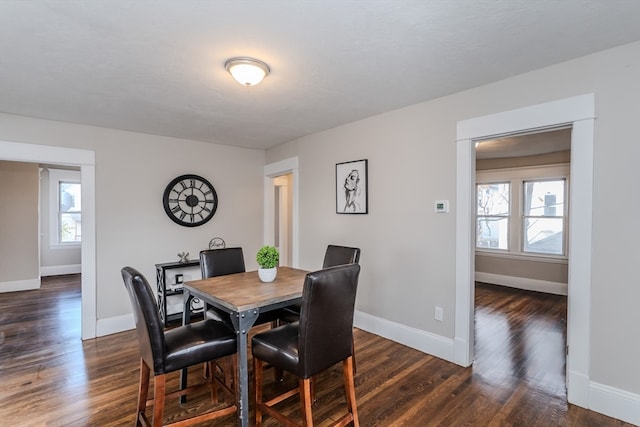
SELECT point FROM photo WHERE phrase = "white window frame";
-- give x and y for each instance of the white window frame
(508, 216)
(56, 176)
(517, 177)
(563, 216)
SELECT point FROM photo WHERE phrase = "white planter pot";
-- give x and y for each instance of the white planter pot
(267, 274)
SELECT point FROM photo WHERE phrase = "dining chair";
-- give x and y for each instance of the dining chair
(163, 352)
(338, 255)
(220, 262)
(333, 256)
(322, 338)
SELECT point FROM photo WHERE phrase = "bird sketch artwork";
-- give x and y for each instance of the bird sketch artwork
(351, 187)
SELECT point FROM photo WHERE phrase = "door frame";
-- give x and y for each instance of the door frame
(271, 171)
(579, 113)
(85, 159)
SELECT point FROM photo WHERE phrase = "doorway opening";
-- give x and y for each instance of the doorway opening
(521, 234)
(281, 209)
(579, 114)
(521, 223)
(282, 217)
(85, 160)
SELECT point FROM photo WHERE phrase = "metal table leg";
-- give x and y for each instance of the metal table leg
(186, 319)
(242, 323)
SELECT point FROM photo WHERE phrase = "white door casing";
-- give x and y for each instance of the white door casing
(85, 159)
(271, 171)
(579, 113)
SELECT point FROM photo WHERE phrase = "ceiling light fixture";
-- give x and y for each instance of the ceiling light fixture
(247, 71)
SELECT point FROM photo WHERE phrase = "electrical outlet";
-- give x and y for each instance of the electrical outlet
(439, 314)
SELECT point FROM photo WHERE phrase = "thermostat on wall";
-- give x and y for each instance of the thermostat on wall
(442, 206)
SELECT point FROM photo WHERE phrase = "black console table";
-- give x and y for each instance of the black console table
(163, 292)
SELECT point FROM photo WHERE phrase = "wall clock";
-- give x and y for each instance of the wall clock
(190, 200)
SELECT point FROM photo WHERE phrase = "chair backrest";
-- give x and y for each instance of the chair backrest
(339, 255)
(219, 262)
(148, 323)
(326, 318)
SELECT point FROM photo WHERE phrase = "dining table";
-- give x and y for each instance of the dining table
(243, 296)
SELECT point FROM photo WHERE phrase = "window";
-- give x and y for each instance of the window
(543, 217)
(65, 202)
(493, 216)
(522, 211)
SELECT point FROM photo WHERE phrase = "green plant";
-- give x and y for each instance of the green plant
(268, 257)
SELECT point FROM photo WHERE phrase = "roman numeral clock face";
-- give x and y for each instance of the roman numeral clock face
(190, 200)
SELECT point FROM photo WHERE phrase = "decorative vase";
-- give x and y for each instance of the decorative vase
(267, 274)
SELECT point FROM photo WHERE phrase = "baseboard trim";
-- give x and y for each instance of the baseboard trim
(549, 287)
(59, 270)
(578, 390)
(20, 285)
(113, 325)
(426, 342)
(615, 403)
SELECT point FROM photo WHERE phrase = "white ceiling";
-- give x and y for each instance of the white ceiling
(523, 145)
(156, 66)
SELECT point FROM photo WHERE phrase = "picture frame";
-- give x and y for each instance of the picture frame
(352, 187)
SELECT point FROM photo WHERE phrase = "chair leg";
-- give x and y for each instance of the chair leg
(279, 373)
(228, 372)
(350, 389)
(143, 390)
(257, 375)
(353, 353)
(159, 390)
(314, 380)
(306, 400)
(211, 380)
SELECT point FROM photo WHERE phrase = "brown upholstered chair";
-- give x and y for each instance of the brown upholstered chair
(322, 338)
(339, 255)
(220, 262)
(163, 352)
(333, 256)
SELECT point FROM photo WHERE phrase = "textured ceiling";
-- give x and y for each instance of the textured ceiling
(157, 66)
(529, 144)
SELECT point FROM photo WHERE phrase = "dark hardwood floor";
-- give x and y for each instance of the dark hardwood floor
(49, 377)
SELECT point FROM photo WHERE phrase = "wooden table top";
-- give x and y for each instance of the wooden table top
(244, 291)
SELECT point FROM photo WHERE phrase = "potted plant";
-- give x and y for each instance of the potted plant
(267, 258)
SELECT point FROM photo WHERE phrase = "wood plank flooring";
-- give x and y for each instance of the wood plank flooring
(49, 377)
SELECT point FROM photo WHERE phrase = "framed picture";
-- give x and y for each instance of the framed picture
(352, 187)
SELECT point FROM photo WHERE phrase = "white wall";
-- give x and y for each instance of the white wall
(131, 172)
(18, 227)
(408, 251)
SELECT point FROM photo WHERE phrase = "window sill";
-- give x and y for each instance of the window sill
(555, 259)
(58, 246)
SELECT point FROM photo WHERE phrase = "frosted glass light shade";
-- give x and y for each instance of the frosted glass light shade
(247, 71)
